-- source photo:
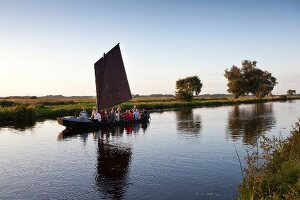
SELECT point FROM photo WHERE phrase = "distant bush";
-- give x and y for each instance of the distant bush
(6, 103)
(291, 92)
(283, 97)
(52, 103)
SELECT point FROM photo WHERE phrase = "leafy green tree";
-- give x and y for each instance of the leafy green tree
(236, 83)
(249, 79)
(291, 92)
(187, 87)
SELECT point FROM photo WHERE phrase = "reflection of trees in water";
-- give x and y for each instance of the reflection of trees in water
(187, 122)
(250, 122)
(20, 126)
(112, 169)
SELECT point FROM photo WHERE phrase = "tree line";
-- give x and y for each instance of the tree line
(244, 80)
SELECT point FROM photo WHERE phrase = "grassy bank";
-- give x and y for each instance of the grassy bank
(279, 175)
(18, 113)
(27, 109)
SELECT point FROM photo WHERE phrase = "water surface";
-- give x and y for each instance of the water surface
(182, 154)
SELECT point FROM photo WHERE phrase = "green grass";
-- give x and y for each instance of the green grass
(279, 176)
(18, 113)
(24, 109)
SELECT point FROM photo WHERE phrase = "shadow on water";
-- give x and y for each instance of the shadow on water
(187, 122)
(113, 160)
(250, 122)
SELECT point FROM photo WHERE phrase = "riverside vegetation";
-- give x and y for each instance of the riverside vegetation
(27, 110)
(274, 172)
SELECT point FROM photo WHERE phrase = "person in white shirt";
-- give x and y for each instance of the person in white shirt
(97, 116)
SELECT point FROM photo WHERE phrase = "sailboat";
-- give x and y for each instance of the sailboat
(112, 88)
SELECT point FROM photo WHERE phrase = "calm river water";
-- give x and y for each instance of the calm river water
(182, 154)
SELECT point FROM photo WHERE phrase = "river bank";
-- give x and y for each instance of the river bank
(23, 110)
(274, 173)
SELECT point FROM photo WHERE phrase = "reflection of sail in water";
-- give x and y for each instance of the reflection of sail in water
(113, 160)
(250, 121)
(187, 122)
(112, 169)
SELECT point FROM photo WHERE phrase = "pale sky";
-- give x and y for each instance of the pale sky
(50, 47)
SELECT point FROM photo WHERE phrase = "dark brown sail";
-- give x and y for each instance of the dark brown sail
(111, 81)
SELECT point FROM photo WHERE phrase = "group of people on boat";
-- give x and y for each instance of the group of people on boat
(114, 115)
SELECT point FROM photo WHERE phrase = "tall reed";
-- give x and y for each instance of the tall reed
(274, 173)
(19, 114)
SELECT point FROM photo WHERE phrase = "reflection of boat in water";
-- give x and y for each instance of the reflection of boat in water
(114, 130)
(112, 89)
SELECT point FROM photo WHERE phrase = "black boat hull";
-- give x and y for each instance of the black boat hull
(77, 123)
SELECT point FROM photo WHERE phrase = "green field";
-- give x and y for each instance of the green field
(22, 110)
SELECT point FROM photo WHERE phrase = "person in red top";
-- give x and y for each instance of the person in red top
(130, 116)
(126, 116)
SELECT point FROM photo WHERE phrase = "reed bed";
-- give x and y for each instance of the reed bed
(278, 174)
(18, 113)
